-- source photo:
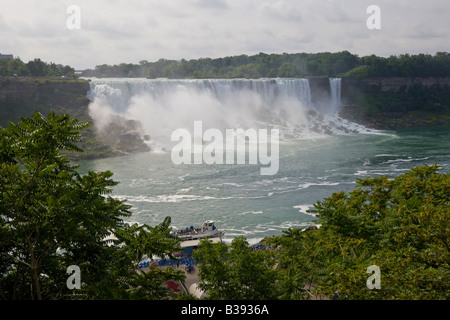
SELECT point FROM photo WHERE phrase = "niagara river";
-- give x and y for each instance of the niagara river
(319, 152)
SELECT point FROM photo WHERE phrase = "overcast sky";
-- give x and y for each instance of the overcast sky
(116, 31)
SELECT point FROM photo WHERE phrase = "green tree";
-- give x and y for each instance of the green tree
(302, 262)
(51, 217)
(288, 70)
(402, 225)
(286, 65)
(37, 67)
(236, 272)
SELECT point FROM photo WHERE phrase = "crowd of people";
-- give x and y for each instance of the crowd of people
(189, 263)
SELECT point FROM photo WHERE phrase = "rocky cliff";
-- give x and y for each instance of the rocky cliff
(390, 103)
(23, 96)
(394, 84)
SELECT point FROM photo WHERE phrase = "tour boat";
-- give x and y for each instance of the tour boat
(191, 236)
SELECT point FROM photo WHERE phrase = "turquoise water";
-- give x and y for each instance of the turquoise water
(243, 202)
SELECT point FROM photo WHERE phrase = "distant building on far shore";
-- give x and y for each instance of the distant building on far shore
(6, 56)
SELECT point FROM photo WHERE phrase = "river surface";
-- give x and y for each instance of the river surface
(241, 201)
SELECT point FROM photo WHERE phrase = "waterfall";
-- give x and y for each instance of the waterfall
(335, 93)
(119, 91)
(162, 105)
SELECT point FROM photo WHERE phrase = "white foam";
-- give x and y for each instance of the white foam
(307, 185)
(304, 208)
(254, 212)
(165, 198)
(232, 184)
(387, 155)
(408, 159)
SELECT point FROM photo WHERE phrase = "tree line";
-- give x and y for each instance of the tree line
(295, 65)
(34, 68)
(52, 218)
(262, 65)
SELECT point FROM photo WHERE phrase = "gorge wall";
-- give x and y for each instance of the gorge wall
(390, 103)
(21, 97)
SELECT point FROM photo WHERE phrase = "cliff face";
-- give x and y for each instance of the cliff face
(26, 89)
(391, 84)
(21, 97)
(351, 87)
(390, 103)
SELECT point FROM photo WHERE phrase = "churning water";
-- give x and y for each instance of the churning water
(319, 152)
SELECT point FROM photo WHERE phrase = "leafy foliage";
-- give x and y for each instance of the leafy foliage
(34, 68)
(236, 272)
(284, 65)
(330, 64)
(51, 217)
(400, 225)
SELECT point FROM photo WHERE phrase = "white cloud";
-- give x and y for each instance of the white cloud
(129, 31)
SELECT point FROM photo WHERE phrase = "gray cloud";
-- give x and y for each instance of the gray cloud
(282, 9)
(211, 4)
(129, 31)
